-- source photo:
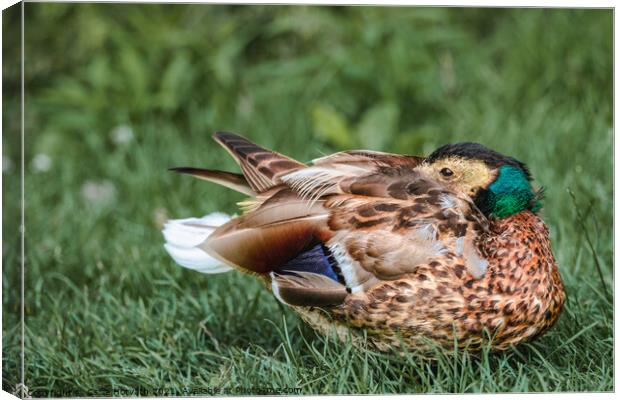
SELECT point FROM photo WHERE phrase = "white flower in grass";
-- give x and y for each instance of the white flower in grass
(7, 165)
(41, 162)
(160, 216)
(122, 134)
(98, 192)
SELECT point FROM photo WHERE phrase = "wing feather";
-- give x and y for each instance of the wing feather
(228, 179)
(261, 167)
(307, 289)
(267, 237)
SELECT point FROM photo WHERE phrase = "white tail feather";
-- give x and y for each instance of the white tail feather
(184, 235)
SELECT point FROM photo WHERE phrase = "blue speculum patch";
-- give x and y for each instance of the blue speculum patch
(317, 260)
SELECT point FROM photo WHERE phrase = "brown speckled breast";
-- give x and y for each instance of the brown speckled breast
(518, 298)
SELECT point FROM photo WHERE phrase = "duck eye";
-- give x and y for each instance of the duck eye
(446, 172)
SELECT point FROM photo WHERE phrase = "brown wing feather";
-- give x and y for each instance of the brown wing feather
(371, 158)
(269, 236)
(228, 179)
(260, 166)
(308, 289)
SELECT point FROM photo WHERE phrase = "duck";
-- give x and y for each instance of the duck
(392, 251)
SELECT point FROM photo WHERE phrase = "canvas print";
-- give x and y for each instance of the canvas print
(299, 200)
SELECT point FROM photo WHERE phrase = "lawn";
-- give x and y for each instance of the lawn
(116, 94)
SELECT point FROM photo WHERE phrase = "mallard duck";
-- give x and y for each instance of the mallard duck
(442, 249)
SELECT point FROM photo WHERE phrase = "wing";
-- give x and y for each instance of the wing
(280, 224)
(281, 240)
(267, 237)
(377, 239)
(386, 221)
(346, 223)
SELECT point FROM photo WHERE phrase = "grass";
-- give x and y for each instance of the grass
(108, 310)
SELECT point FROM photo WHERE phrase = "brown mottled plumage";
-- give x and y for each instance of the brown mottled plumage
(408, 249)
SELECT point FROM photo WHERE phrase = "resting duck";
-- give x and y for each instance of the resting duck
(444, 249)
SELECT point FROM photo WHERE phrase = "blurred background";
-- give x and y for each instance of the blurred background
(116, 94)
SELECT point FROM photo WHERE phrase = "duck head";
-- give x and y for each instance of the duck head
(499, 185)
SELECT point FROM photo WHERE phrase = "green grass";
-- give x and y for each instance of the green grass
(106, 308)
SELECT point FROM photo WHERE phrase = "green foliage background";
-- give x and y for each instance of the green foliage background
(107, 308)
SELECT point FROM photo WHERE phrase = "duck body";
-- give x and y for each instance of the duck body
(396, 246)
(519, 297)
